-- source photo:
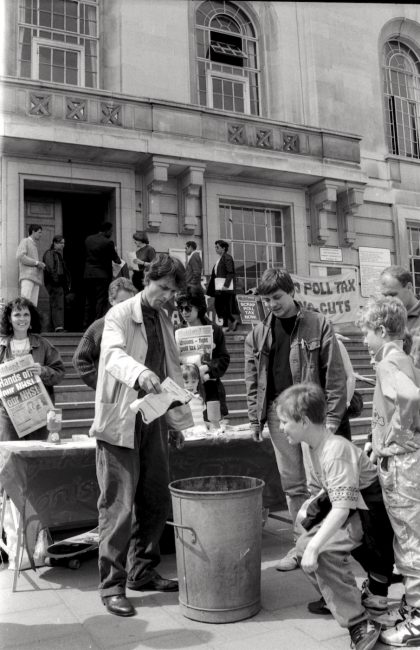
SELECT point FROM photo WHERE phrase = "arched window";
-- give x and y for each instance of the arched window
(227, 67)
(402, 98)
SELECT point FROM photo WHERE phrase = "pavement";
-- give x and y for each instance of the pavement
(60, 609)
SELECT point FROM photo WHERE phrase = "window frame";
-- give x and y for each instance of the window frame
(57, 45)
(211, 74)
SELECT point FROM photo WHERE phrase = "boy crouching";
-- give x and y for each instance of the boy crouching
(348, 516)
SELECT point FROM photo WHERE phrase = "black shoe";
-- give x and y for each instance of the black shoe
(119, 605)
(395, 578)
(318, 607)
(365, 634)
(157, 583)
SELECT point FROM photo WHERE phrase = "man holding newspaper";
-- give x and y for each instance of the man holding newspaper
(138, 352)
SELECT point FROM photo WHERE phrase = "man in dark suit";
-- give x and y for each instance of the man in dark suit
(222, 287)
(194, 265)
(99, 254)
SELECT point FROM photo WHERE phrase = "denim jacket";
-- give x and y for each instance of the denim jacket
(314, 357)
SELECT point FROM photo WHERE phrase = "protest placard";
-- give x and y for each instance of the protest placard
(249, 308)
(195, 344)
(23, 395)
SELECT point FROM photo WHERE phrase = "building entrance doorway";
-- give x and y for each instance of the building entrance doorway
(75, 215)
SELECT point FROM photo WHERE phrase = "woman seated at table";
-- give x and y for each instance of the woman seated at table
(192, 308)
(20, 327)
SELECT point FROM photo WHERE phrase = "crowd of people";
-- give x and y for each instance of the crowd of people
(299, 382)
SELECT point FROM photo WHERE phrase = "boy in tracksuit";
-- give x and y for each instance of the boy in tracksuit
(396, 446)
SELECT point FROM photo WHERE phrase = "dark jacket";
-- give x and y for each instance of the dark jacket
(44, 353)
(193, 269)
(56, 273)
(86, 357)
(225, 269)
(100, 253)
(314, 357)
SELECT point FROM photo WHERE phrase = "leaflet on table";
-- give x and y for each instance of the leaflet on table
(195, 344)
(23, 395)
(154, 405)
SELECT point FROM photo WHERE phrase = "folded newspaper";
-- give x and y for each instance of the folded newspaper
(195, 344)
(154, 405)
(24, 396)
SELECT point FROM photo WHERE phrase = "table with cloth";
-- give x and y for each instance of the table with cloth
(55, 486)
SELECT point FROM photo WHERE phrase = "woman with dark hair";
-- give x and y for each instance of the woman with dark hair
(192, 308)
(20, 327)
(144, 255)
(222, 287)
(57, 281)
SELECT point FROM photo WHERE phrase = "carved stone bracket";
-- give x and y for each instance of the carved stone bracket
(264, 138)
(39, 104)
(323, 203)
(236, 134)
(191, 184)
(156, 178)
(76, 110)
(111, 114)
(348, 206)
(290, 142)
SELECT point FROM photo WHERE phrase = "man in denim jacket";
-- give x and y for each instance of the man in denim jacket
(292, 345)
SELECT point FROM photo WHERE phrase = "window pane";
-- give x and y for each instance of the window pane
(58, 74)
(44, 19)
(58, 58)
(44, 55)
(71, 8)
(71, 59)
(58, 21)
(217, 85)
(45, 72)
(71, 24)
(71, 76)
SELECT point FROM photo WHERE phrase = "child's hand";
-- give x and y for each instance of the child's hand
(309, 562)
(204, 373)
(176, 439)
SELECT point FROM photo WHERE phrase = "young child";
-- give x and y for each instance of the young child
(353, 521)
(396, 445)
(192, 382)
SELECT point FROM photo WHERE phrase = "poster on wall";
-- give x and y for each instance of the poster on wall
(372, 262)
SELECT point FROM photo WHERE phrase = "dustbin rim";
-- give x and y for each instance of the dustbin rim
(179, 491)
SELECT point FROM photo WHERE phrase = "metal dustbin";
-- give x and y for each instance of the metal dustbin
(218, 531)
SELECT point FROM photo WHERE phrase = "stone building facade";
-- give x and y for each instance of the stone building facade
(289, 129)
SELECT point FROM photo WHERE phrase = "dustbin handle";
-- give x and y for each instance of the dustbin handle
(176, 526)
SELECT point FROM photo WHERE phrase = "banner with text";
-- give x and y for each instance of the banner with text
(335, 296)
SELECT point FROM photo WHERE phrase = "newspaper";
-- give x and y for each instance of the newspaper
(195, 344)
(154, 405)
(24, 396)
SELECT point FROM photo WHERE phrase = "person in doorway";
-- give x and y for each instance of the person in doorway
(57, 281)
(86, 357)
(144, 256)
(100, 253)
(347, 516)
(292, 345)
(192, 309)
(30, 267)
(20, 328)
(222, 287)
(137, 352)
(194, 265)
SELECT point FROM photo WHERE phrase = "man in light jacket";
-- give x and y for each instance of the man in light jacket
(137, 352)
(30, 267)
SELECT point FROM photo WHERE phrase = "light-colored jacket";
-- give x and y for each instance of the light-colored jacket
(396, 401)
(123, 353)
(27, 254)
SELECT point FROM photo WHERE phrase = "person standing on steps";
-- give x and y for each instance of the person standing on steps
(57, 281)
(100, 253)
(222, 287)
(144, 256)
(194, 266)
(30, 268)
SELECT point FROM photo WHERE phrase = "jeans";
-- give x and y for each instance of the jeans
(291, 466)
(56, 295)
(133, 505)
(333, 578)
(400, 482)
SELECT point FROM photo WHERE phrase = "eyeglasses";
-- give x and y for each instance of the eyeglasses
(185, 308)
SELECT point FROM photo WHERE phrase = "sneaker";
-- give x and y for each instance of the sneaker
(378, 607)
(406, 633)
(364, 635)
(289, 562)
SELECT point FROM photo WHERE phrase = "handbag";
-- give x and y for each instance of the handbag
(356, 405)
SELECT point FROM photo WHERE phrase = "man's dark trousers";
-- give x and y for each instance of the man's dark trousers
(133, 505)
(96, 299)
